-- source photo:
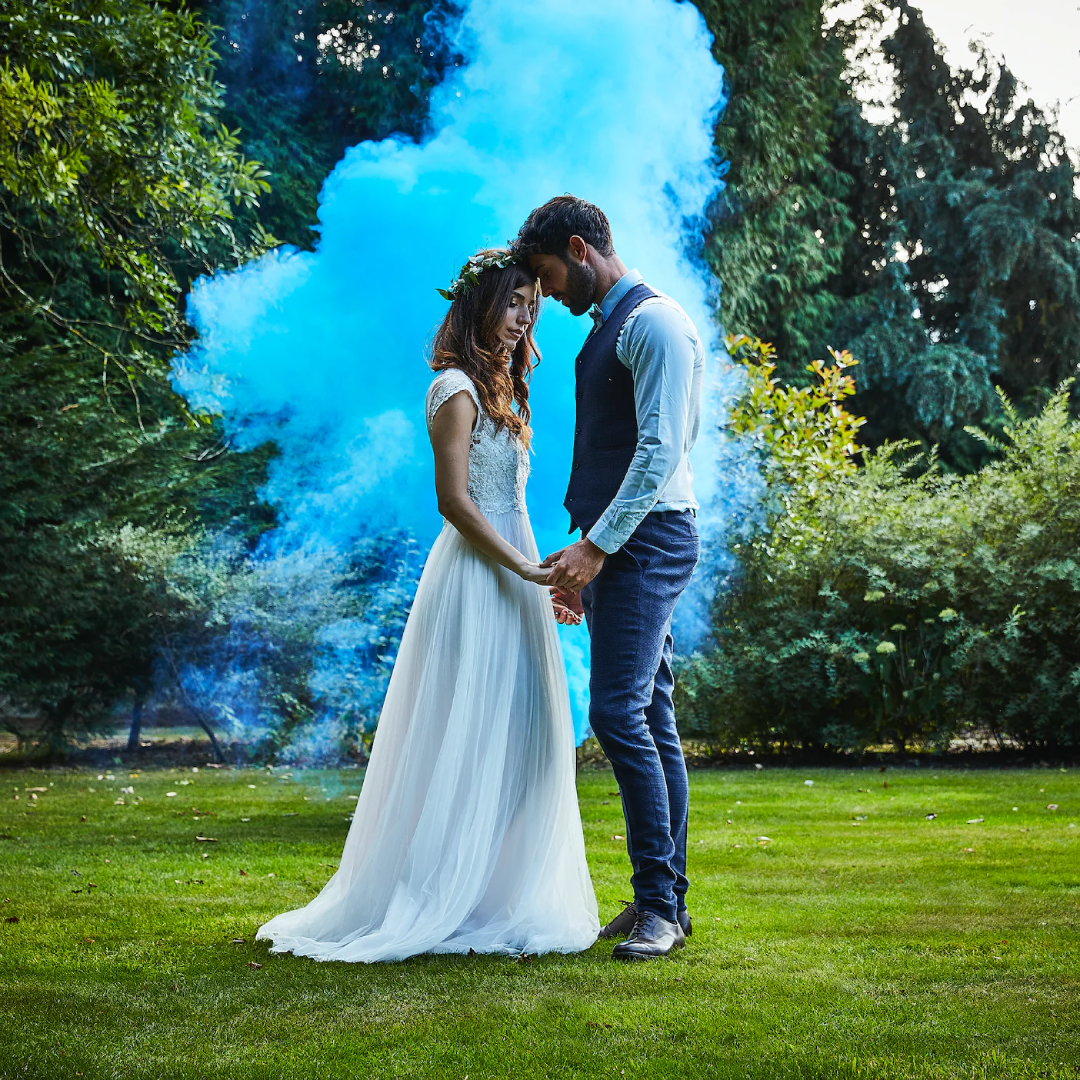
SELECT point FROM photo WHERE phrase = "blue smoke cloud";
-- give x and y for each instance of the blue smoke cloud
(325, 351)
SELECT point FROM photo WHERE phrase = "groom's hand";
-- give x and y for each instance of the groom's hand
(575, 566)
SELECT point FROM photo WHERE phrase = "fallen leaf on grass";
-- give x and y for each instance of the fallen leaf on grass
(968, 849)
(90, 941)
(207, 839)
(196, 881)
(975, 820)
(596, 1024)
(523, 958)
(243, 873)
(271, 875)
(617, 836)
(12, 918)
(252, 964)
(1051, 806)
(83, 818)
(764, 839)
(239, 941)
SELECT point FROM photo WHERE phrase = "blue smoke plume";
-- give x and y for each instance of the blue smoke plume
(325, 352)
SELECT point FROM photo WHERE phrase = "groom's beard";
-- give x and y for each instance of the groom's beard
(580, 286)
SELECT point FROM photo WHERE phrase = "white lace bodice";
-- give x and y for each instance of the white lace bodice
(498, 463)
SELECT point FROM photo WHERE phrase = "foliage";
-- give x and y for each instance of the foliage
(964, 271)
(286, 653)
(940, 248)
(803, 432)
(116, 184)
(779, 228)
(899, 604)
(305, 81)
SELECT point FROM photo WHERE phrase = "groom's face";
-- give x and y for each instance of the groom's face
(566, 279)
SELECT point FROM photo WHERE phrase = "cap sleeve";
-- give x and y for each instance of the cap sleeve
(444, 386)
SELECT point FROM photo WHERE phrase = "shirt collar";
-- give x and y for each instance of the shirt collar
(602, 311)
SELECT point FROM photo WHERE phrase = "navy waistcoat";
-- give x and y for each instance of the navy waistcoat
(605, 431)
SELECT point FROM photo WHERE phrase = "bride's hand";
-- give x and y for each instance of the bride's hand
(534, 572)
(563, 615)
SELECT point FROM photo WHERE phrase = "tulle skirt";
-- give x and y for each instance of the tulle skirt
(467, 834)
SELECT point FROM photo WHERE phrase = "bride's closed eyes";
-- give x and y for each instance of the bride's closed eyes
(518, 315)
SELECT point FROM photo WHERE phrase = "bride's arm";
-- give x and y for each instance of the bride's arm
(451, 437)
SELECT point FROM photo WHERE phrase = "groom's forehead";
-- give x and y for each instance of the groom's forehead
(543, 261)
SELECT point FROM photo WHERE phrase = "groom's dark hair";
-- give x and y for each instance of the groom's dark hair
(547, 230)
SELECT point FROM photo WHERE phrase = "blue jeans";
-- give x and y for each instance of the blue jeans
(628, 607)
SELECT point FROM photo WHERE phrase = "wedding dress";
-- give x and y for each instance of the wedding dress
(467, 834)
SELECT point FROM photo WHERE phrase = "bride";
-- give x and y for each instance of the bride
(467, 835)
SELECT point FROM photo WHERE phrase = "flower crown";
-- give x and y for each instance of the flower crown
(471, 271)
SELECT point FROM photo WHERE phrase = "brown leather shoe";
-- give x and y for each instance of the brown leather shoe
(623, 923)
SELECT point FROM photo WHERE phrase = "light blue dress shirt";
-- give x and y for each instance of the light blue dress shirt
(660, 346)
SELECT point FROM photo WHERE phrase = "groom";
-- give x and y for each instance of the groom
(638, 387)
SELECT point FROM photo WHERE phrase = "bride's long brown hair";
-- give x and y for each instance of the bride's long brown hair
(468, 339)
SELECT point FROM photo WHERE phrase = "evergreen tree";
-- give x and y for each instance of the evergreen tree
(964, 272)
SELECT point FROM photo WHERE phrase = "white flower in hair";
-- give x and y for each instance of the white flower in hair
(471, 271)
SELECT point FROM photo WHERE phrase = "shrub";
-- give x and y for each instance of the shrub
(889, 602)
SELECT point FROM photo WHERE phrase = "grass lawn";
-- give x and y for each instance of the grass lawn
(862, 940)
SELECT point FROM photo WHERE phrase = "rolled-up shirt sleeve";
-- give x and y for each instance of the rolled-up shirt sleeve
(659, 347)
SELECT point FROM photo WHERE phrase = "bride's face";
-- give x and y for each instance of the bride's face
(518, 315)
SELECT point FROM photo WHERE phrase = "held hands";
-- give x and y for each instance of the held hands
(572, 568)
(565, 604)
(533, 572)
(567, 607)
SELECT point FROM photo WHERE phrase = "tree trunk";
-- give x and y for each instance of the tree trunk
(205, 725)
(135, 733)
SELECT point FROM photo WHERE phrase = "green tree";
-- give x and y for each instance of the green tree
(117, 184)
(305, 81)
(780, 227)
(964, 271)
